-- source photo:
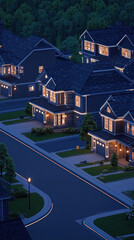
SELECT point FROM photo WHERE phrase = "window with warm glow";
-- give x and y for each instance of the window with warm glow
(44, 91)
(126, 53)
(65, 99)
(63, 119)
(52, 96)
(132, 130)
(21, 69)
(106, 123)
(87, 60)
(89, 46)
(41, 69)
(128, 127)
(59, 119)
(31, 88)
(108, 110)
(110, 125)
(103, 50)
(77, 101)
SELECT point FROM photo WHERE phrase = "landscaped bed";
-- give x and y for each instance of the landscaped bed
(13, 115)
(48, 136)
(94, 171)
(74, 152)
(116, 225)
(21, 203)
(117, 177)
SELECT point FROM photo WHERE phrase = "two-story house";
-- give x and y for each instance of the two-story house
(70, 91)
(117, 134)
(114, 44)
(21, 61)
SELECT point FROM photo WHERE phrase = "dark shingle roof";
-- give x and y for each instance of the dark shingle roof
(122, 103)
(126, 43)
(42, 102)
(13, 230)
(106, 136)
(129, 70)
(111, 35)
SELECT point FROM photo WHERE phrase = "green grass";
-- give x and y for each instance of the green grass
(116, 225)
(74, 152)
(12, 115)
(21, 205)
(87, 164)
(98, 170)
(17, 121)
(129, 194)
(36, 138)
(117, 177)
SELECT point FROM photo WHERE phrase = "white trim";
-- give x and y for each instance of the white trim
(105, 102)
(127, 38)
(45, 41)
(49, 81)
(127, 114)
(87, 33)
(6, 83)
(102, 115)
(104, 70)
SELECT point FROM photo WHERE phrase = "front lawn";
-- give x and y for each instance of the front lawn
(98, 170)
(116, 225)
(74, 152)
(48, 136)
(20, 205)
(16, 121)
(88, 163)
(117, 177)
(12, 115)
(129, 194)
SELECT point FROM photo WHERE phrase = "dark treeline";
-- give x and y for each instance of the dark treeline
(62, 21)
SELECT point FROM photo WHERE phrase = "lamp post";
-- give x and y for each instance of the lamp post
(29, 181)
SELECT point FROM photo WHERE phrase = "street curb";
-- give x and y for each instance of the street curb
(47, 208)
(89, 223)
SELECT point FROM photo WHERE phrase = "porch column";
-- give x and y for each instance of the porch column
(55, 120)
(33, 111)
(44, 117)
(131, 159)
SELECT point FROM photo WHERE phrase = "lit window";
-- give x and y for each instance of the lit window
(52, 97)
(21, 69)
(132, 130)
(31, 88)
(14, 88)
(106, 123)
(55, 120)
(65, 99)
(59, 119)
(63, 119)
(44, 90)
(89, 46)
(108, 110)
(126, 53)
(8, 70)
(47, 93)
(110, 125)
(77, 101)
(46, 76)
(128, 127)
(87, 60)
(41, 69)
(103, 50)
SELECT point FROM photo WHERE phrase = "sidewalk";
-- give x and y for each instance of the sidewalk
(47, 208)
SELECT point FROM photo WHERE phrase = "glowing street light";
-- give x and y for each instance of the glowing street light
(29, 181)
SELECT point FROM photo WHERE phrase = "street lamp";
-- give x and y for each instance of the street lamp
(29, 181)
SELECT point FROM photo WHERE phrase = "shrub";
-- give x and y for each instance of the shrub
(21, 116)
(20, 193)
(33, 130)
(101, 163)
(128, 168)
(28, 109)
(71, 130)
(49, 130)
(114, 160)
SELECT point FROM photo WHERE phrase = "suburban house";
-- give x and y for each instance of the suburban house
(114, 44)
(4, 197)
(21, 61)
(70, 91)
(117, 134)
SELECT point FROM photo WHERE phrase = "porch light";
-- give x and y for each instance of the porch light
(97, 142)
(47, 115)
(115, 145)
(100, 144)
(120, 149)
(127, 151)
(106, 146)
(94, 140)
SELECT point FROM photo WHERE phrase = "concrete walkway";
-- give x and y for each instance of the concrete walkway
(47, 203)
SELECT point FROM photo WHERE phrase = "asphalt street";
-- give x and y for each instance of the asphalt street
(72, 198)
(61, 144)
(12, 105)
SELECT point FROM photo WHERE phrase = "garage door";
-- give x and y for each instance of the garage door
(100, 149)
(39, 116)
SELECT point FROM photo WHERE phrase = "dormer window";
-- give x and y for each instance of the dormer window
(21, 69)
(103, 50)
(126, 53)
(41, 69)
(108, 110)
(128, 127)
(89, 46)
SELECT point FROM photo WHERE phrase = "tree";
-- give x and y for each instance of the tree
(88, 124)
(114, 160)
(28, 109)
(10, 169)
(3, 155)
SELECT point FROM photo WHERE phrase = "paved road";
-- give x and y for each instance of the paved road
(12, 105)
(61, 144)
(72, 198)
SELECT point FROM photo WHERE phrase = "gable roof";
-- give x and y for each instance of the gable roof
(125, 42)
(122, 103)
(15, 48)
(111, 35)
